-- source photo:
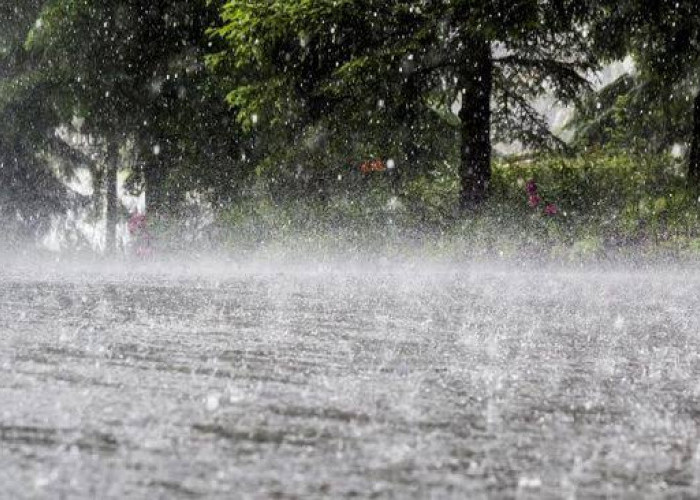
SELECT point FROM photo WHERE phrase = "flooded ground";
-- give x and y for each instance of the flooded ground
(406, 380)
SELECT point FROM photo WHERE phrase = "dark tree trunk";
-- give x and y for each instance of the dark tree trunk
(694, 158)
(112, 167)
(476, 79)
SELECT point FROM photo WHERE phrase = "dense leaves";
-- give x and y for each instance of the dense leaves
(32, 157)
(301, 98)
(404, 66)
(659, 106)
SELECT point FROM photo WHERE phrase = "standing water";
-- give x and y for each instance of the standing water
(300, 381)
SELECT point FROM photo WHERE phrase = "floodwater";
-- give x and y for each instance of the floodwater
(335, 380)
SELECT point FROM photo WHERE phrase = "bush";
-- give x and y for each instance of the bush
(588, 206)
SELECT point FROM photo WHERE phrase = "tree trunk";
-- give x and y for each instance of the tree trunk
(694, 158)
(112, 166)
(475, 79)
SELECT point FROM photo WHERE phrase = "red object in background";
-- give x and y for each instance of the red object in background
(138, 228)
(551, 209)
(137, 223)
(534, 200)
(531, 187)
(375, 165)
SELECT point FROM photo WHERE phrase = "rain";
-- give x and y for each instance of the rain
(355, 249)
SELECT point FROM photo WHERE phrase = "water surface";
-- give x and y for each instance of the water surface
(337, 380)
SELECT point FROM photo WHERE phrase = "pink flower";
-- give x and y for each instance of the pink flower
(551, 209)
(531, 187)
(137, 223)
(534, 200)
(138, 228)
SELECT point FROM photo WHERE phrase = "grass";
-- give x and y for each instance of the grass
(608, 204)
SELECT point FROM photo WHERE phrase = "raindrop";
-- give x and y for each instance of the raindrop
(619, 322)
(212, 402)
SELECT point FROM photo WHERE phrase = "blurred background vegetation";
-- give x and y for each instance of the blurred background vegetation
(353, 124)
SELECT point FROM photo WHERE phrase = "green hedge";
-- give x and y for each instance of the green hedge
(606, 202)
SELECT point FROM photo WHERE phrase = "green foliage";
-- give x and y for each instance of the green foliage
(280, 102)
(387, 74)
(651, 110)
(609, 203)
(32, 158)
(134, 73)
(633, 113)
(626, 198)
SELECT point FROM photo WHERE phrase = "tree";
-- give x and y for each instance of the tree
(32, 157)
(134, 75)
(652, 106)
(296, 64)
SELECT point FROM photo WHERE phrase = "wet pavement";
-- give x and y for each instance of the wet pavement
(297, 381)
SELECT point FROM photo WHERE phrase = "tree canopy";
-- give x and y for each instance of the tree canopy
(658, 106)
(208, 96)
(31, 155)
(405, 66)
